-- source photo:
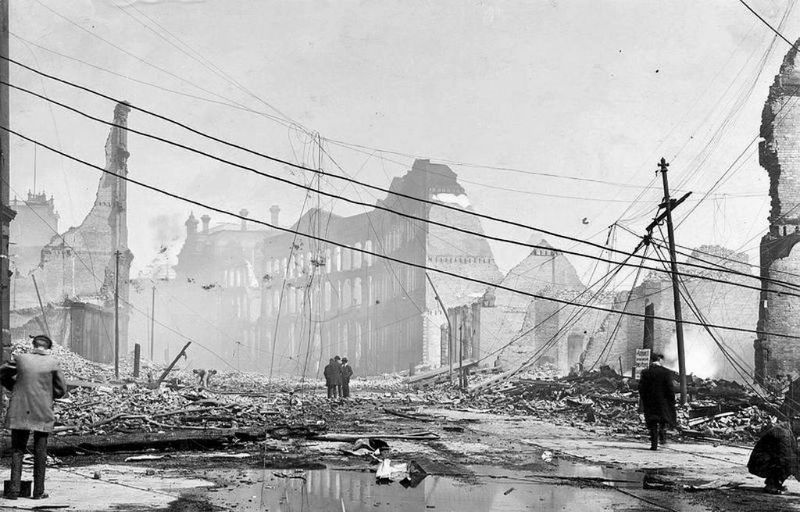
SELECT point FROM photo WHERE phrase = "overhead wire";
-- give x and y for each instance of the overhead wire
(339, 244)
(125, 301)
(285, 162)
(353, 201)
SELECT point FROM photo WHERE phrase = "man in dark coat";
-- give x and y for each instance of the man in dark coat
(35, 380)
(337, 375)
(775, 456)
(657, 400)
(347, 372)
(329, 379)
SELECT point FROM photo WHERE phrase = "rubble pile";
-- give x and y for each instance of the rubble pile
(76, 367)
(599, 398)
(104, 409)
(718, 409)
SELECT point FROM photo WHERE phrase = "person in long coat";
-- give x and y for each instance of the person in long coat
(347, 372)
(775, 456)
(329, 371)
(657, 400)
(35, 380)
(337, 375)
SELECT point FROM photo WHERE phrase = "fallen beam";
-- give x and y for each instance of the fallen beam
(441, 372)
(349, 438)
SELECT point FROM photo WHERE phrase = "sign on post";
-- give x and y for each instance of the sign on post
(642, 361)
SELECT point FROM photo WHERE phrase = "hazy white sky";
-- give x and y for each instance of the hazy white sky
(594, 89)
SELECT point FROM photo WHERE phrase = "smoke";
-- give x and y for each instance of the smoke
(166, 229)
(703, 357)
(167, 234)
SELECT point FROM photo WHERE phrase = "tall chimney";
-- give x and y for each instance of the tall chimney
(274, 211)
(191, 225)
(243, 213)
(206, 219)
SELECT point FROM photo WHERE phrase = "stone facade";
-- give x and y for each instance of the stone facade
(720, 303)
(780, 257)
(267, 300)
(78, 266)
(34, 225)
(383, 315)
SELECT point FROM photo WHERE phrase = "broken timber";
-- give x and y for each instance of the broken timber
(436, 376)
(171, 365)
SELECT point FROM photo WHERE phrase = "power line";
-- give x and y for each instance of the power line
(98, 280)
(234, 106)
(351, 146)
(198, 57)
(364, 251)
(285, 162)
(376, 206)
(133, 55)
(765, 22)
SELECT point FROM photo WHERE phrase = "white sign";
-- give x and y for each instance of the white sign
(642, 360)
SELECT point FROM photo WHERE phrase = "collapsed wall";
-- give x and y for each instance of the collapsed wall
(78, 267)
(779, 155)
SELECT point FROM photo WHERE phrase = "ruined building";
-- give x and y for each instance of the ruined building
(34, 225)
(266, 299)
(383, 315)
(74, 277)
(780, 254)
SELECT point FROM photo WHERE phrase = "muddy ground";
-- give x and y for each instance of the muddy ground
(480, 461)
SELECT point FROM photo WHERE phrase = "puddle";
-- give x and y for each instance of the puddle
(488, 489)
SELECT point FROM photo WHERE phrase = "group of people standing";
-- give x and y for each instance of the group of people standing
(337, 377)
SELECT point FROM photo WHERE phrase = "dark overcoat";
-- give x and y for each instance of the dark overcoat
(38, 381)
(657, 393)
(775, 454)
(336, 374)
(347, 372)
(328, 373)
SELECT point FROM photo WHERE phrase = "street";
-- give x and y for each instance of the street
(481, 461)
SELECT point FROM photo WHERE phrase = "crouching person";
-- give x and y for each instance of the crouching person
(35, 380)
(774, 457)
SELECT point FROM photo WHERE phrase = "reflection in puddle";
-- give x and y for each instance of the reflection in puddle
(493, 489)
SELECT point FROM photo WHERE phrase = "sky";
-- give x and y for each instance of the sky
(592, 89)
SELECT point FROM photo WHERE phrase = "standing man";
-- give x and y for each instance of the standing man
(347, 372)
(337, 375)
(657, 400)
(35, 380)
(329, 380)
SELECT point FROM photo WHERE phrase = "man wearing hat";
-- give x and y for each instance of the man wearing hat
(657, 400)
(347, 372)
(34, 380)
(337, 376)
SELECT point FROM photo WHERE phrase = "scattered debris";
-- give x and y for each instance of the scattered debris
(408, 474)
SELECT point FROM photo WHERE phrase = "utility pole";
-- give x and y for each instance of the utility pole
(116, 314)
(449, 329)
(669, 204)
(153, 323)
(6, 213)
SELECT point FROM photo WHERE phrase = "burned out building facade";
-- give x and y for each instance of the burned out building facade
(321, 300)
(68, 279)
(274, 301)
(780, 252)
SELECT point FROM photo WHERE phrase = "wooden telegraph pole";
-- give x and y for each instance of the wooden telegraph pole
(153, 323)
(6, 213)
(668, 205)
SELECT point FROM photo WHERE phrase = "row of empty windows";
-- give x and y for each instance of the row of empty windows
(337, 259)
(346, 293)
